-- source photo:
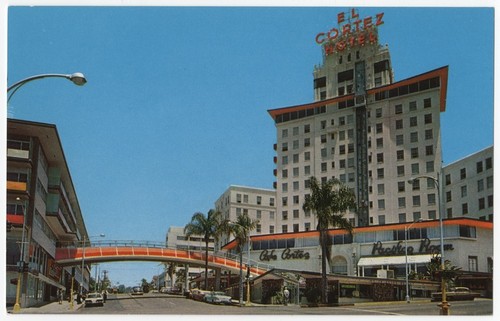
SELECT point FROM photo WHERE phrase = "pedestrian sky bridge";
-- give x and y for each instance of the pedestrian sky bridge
(112, 251)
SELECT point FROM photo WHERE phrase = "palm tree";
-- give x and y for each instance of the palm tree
(206, 226)
(329, 201)
(241, 231)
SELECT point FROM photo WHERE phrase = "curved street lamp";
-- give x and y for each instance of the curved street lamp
(77, 78)
(83, 259)
(445, 306)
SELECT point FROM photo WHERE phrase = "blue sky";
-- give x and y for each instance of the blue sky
(175, 108)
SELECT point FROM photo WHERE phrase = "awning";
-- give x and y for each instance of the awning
(49, 281)
(394, 260)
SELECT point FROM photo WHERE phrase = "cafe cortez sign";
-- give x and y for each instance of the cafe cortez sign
(352, 31)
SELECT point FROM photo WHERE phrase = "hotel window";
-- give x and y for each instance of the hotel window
(259, 214)
(380, 142)
(414, 152)
(295, 228)
(284, 147)
(284, 228)
(381, 204)
(429, 167)
(447, 179)
(489, 163)
(342, 163)
(307, 170)
(473, 264)
(342, 150)
(323, 139)
(342, 121)
(400, 155)
(284, 201)
(295, 144)
(245, 198)
(479, 167)
(323, 153)
(350, 148)
(323, 124)
(416, 216)
(465, 209)
(398, 109)
(401, 170)
(284, 187)
(307, 142)
(399, 140)
(489, 182)
(380, 173)
(295, 158)
(431, 199)
(296, 186)
(295, 199)
(295, 131)
(415, 169)
(413, 105)
(379, 128)
(271, 215)
(238, 198)
(381, 189)
(307, 128)
(427, 103)
(324, 167)
(307, 226)
(284, 133)
(429, 150)
(342, 135)
(490, 200)
(463, 191)
(284, 173)
(428, 118)
(463, 173)
(350, 133)
(271, 202)
(414, 137)
(402, 217)
(284, 215)
(378, 112)
(258, 228)
(399, 124)
(480, 185)
(401, 186)
(482, 203)
(416, 200)
(413, 121)
(238, 211)
(432, 215)
(350, 162)
(416, 185)
(448, 196)
(429, 134)
(381, 219)
(307, 156)
(295, 213)
(271, 229)
(284, 160)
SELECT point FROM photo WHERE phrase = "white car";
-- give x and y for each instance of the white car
(94, 298)
(217, 298)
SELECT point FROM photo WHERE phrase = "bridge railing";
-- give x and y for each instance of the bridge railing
(195, 254)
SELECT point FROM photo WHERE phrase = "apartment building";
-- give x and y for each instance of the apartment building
(42, 213)
(364, 128)
(468, 186)
(258, 203)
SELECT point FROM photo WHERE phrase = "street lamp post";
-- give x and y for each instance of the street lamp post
(83, 259)
(77, 78)
(20, 268)
(444, 305)
(407, 228)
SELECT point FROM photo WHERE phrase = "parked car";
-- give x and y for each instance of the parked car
(218, 298)
(197, 294)
(456, 294)
(137, 290)
(94, 298)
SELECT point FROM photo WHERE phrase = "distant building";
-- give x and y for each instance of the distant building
(258, 203)
(43, 213)
(468, 186)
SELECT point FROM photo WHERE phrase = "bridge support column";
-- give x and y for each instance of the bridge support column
(217, 278)
(186, 281)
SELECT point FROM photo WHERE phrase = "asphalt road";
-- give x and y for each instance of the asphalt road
(165, 304)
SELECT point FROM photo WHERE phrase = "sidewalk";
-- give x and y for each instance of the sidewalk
(50, 308)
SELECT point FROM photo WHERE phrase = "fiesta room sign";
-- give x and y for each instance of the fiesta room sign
(352, 31)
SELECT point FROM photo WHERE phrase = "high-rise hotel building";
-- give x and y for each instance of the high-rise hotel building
(364, 128)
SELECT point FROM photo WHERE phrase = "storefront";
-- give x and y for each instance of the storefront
(384, 252)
